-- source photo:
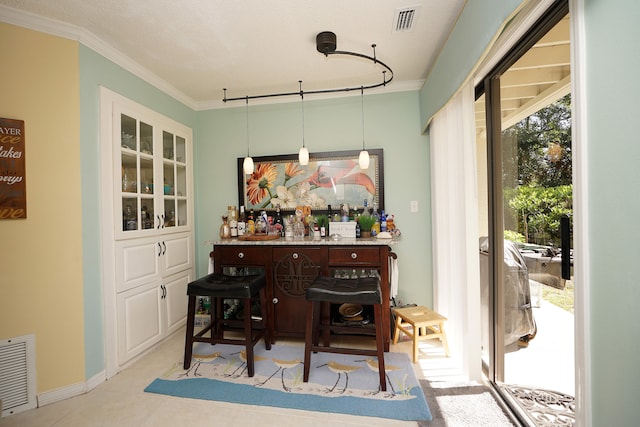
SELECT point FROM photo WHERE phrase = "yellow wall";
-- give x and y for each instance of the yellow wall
(41, 256)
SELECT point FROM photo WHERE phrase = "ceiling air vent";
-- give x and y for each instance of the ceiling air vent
(404, 19)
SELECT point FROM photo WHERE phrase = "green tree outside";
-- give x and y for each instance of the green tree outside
(543, 192)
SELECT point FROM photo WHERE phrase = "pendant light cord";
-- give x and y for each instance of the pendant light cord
(302, 108)
(362, 105)
(247, 122)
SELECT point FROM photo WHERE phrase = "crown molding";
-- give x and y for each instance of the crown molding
(62, 29)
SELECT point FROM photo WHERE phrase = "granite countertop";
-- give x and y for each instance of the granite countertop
(307, 241)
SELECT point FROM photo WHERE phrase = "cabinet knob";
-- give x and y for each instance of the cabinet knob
(240, 255)
(274, 300)
(295, 255)
(354, 255)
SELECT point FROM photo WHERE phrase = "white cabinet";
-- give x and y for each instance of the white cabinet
(151, 290)
(150, 312)
(152, 188)
(147, 232)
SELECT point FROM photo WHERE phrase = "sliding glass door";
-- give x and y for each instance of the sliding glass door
(523, 129)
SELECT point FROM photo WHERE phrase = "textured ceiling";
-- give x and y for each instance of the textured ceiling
(199, 47)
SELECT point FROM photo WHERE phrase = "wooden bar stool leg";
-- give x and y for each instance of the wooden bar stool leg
(248, 336)
(308, 338)
(188, 342)
(377, 315)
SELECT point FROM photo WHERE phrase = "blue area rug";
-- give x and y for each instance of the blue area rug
(337, 383)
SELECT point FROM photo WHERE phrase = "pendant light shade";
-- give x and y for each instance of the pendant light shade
(247, 165)
(303, 154)
(363, 159)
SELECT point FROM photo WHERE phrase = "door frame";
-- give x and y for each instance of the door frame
(580, 197)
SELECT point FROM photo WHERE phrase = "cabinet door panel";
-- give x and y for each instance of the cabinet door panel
(137, 262)
(139, 319)
(176, 300)
(294, 269)
(177, 253)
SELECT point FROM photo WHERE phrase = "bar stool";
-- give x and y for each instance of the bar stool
(220, 287)
(326, 290)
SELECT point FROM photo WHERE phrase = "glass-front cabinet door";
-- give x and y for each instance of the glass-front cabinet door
(154, 185)
(174, 173)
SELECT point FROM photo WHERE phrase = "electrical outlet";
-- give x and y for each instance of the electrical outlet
(414, 206)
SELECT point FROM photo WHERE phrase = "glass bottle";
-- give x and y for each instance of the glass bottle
(278, 222)
(261, 223)
(251, 223)
(232, 214)
(130, 219)
(242, 222)
(298, 226)
(225, 230)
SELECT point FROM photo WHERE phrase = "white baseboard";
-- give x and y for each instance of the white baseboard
(96, 380)
(73, 390)
(62, 393)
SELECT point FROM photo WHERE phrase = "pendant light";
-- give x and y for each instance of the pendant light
(363, 159)
(247, 165)
(303, 154)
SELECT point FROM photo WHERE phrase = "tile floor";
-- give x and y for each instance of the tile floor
(121, 400)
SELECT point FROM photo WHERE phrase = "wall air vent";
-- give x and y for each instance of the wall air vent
(17, 374)
(404, 18)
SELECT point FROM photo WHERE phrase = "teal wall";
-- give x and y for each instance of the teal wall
(97, 71)
(392, 122)
(613, 69)
(477, 25)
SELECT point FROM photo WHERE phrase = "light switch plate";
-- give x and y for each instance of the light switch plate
(414, 206)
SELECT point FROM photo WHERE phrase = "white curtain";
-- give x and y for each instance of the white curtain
(455, 228)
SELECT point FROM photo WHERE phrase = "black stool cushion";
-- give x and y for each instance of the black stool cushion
(220, 285)
(364, 290)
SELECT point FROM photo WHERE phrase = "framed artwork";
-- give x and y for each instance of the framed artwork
(330, 179)
(13, 176)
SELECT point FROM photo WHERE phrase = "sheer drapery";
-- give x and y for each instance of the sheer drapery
(455, 227)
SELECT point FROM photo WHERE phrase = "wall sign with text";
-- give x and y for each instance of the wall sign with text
(13, 187)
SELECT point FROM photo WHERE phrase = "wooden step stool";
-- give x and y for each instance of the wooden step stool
(420, 319)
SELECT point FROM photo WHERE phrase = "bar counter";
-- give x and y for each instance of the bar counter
(291, 266)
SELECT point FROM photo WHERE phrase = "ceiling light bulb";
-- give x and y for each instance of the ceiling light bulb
(303, 156)
(363, 159)
(247, 166)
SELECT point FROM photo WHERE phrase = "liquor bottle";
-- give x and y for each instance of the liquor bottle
(233, 220)
(278, 222)
(251, 224)
(242, 222)
(383, 221)
(344, 209)
(365, 207)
